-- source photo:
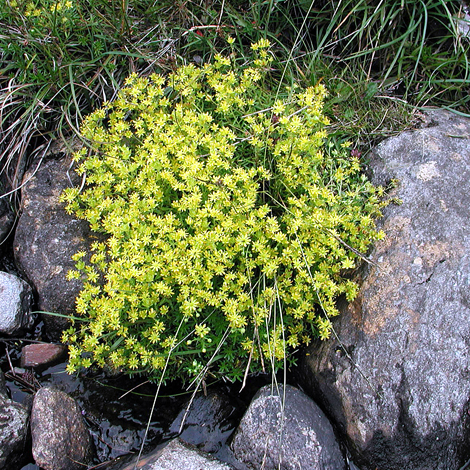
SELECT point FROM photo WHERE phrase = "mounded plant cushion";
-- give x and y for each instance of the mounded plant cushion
(230, 223)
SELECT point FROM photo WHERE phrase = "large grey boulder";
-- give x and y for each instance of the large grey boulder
(13, 429)
(60, 438)
(399, 384)
(283, 429)
(16, 298)
(47, 237)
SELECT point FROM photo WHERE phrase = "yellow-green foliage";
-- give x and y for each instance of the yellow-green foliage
(46, 14)
(227, 221)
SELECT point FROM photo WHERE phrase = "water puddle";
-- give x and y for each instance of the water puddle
(117, 408)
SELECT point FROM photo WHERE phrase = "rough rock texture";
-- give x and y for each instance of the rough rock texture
(60, 438)
(41, 354)
(297, 436)
(13, 429)
(408, 331)
(207, 421)
(46, 238)
(176, 455)
(16, 298)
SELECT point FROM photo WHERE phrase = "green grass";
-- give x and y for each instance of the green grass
(58, 64)
(59, 60)
(413, 49)
(380, 60)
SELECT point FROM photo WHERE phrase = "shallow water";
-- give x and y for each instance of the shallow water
(116, 419)
(117, 408)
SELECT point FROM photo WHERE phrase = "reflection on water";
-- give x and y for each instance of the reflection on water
(118, 418)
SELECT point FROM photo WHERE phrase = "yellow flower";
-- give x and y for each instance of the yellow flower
(219, 202)
(261, 44)
(202, 330)
(278, 107)
(57, 6)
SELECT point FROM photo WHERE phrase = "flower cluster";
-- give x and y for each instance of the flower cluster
(45, 13)
(229, 223)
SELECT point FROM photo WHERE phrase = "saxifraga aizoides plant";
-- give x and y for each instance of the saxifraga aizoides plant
(230, 223)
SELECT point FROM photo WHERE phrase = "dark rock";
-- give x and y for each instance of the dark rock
(41, 354)
(45, 240)
(118, 440)
(3, 387)
(6, 219)
(398, 386)
(13, 430)
(205, 422)
(284, 430)
(60, 438)
(176, 455)
(16, 299)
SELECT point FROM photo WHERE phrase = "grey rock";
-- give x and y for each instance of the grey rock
(118, 441)
(46, 238)
(286, 431)
(16, 299)
(60, 439)
(398, 385)
(13, 430)
(176, 455)
(206, 421)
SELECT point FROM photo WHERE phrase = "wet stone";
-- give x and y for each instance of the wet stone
(286, 430)
(13, 429)
(60, 438)
(15, 300)
(7, 218)
(119, 441)
(206, 421)
(42, 355)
